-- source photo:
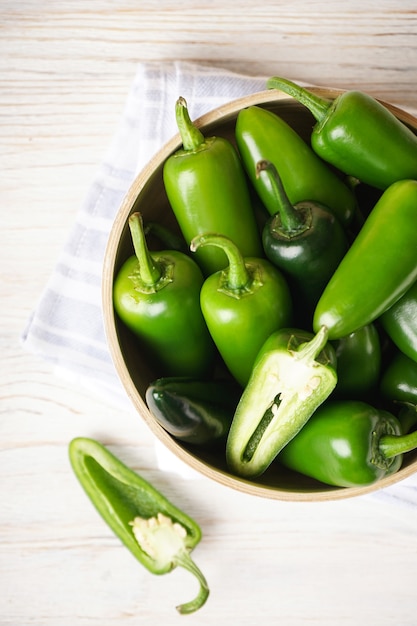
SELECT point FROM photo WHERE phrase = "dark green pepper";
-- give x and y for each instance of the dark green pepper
(400, 322)
(293, 374)
(169, 239)
(399, 379)
(407, 417)
(358, 135)
(377, 269)
(359, 358)
(157, 296)
(348, 444)
(155, 531)
(194, 411)
(208, 192)
(242, 305)
(263, 135)
(305, 241)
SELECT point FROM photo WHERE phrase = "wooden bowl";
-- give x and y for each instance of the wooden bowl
(147, 195)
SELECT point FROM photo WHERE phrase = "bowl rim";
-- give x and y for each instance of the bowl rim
(222, 112)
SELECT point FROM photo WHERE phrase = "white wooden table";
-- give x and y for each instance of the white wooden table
(65, 68)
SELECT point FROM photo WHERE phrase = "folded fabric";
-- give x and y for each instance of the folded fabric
(66, 328)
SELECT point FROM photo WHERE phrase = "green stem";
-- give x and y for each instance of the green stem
(309, 351)
(184, 560)
(316, 105)
(393, 445)
(237, 273)
(148, 270)
(292, 221)
(192, 138)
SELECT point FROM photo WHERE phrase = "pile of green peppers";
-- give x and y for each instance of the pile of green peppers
(282, 321)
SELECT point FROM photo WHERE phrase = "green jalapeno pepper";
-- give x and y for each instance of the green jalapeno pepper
(305, 241)
(293, 374)
(208, 192)
(399, 379)
(194, 411)
(400, 322)
(263, 135)
(359, 357)
(169, 239)
(242, 305)
(407, 416)
(155, 531)
(358, 135)
(348, 444)
(157, 296)
(377, 269)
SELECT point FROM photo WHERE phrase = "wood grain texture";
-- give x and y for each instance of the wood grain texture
(65, 68)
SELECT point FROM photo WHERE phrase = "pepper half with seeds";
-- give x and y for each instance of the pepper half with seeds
(293, 374)
(155, 531)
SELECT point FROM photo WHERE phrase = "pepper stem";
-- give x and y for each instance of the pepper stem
(292, 221)
(184, 560)
(309, 351)
(237, 273)
(393, 445)
(148, 270)
(192, 138)
(316, 105)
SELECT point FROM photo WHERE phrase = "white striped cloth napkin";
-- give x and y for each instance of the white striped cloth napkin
(66, 328)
